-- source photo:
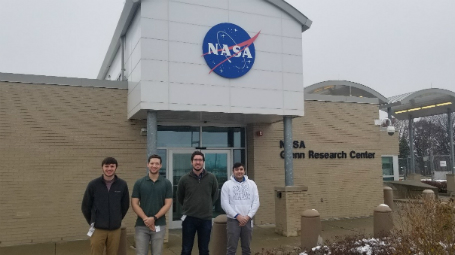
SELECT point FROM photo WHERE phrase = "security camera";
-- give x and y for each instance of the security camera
(390, 130)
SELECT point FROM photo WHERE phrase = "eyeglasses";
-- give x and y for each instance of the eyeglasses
(196, 159)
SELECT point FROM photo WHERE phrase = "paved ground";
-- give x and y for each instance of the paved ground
(264, 236)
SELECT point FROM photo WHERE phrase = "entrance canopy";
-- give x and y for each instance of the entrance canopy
(422, 103)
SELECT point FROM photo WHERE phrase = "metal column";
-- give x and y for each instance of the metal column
(411, 144)
(122, 64)
(152, 134)
(389, 114)
(450, 130)
(288, 164)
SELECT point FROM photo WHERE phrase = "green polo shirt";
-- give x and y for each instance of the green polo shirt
(151, 197)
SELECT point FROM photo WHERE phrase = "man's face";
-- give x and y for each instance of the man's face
(198, 162)
(239, 172)
(109, 170)
(154, 165)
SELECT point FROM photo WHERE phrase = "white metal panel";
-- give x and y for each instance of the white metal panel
(293, 82)
(189, 33)
(134, 99)
(186, 53)
(221, 4)
(197, 94)
(290, 28)
(292, 112)
(268, 61)
(155, 9)
(154, 49)
(135, 58)
(156, 29)
(155, 92)
(268, 43)
(292, 46)
(199, 108)
(194, 74)
(255, 6)
(254, 23)
(196, 14)
(155, 70)
(154, 106)
(135, 75)
(256, 98)
(114, 69)
(133, 35)
(292, 64)
(293, 100)
(260, 80)
(265, 111)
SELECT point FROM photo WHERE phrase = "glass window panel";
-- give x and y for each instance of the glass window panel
(216, 163)
(181, 163)
(223, 137)
(162, 154)
(238, 156)
(387, 165)
(178, 136)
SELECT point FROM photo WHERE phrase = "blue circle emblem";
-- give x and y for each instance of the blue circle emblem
(229, 50)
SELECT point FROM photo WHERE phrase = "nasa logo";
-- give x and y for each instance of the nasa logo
(229, 50)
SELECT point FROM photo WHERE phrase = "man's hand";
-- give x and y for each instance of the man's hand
(242, 219)
(150, 223)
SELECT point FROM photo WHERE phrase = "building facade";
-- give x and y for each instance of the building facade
(55, 131)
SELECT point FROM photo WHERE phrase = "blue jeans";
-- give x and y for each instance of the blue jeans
(190, 226)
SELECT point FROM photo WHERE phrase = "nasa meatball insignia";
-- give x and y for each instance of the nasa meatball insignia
(229, 50)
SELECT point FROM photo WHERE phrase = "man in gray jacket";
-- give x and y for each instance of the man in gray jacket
(197, 191)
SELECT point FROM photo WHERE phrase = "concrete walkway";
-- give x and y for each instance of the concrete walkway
(263, 237)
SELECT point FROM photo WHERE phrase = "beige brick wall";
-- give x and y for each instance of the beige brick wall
(53, 139)
(336, 187)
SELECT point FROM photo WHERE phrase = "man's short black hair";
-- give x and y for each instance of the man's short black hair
(197, 153)
(154, 156)
(237, 165)
(108, 161)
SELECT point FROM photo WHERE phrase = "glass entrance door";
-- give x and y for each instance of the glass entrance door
(217, 162)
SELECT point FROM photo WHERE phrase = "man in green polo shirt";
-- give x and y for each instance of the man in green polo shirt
(151, 199)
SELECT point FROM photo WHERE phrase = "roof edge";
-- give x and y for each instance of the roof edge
(129, 9)
(64, 81)
(381, 99)
(293, 12)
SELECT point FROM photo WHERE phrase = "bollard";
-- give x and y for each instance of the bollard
(388, 197)
(218, 242)
(310, 228)
(383, 222)
(123, 242)
(428, 194)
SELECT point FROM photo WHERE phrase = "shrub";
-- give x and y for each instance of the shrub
(426, 226)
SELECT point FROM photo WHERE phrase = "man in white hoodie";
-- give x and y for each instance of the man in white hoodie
(240, 201)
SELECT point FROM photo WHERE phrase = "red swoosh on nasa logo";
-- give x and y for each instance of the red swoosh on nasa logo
(246, 43)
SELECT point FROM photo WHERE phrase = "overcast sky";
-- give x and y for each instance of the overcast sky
(392, 46)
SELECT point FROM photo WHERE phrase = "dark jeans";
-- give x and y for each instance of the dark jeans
(190, 226)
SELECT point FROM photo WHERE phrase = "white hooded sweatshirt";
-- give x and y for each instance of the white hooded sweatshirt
(239, 197)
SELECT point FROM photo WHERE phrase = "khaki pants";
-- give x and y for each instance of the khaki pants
(105, 238)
